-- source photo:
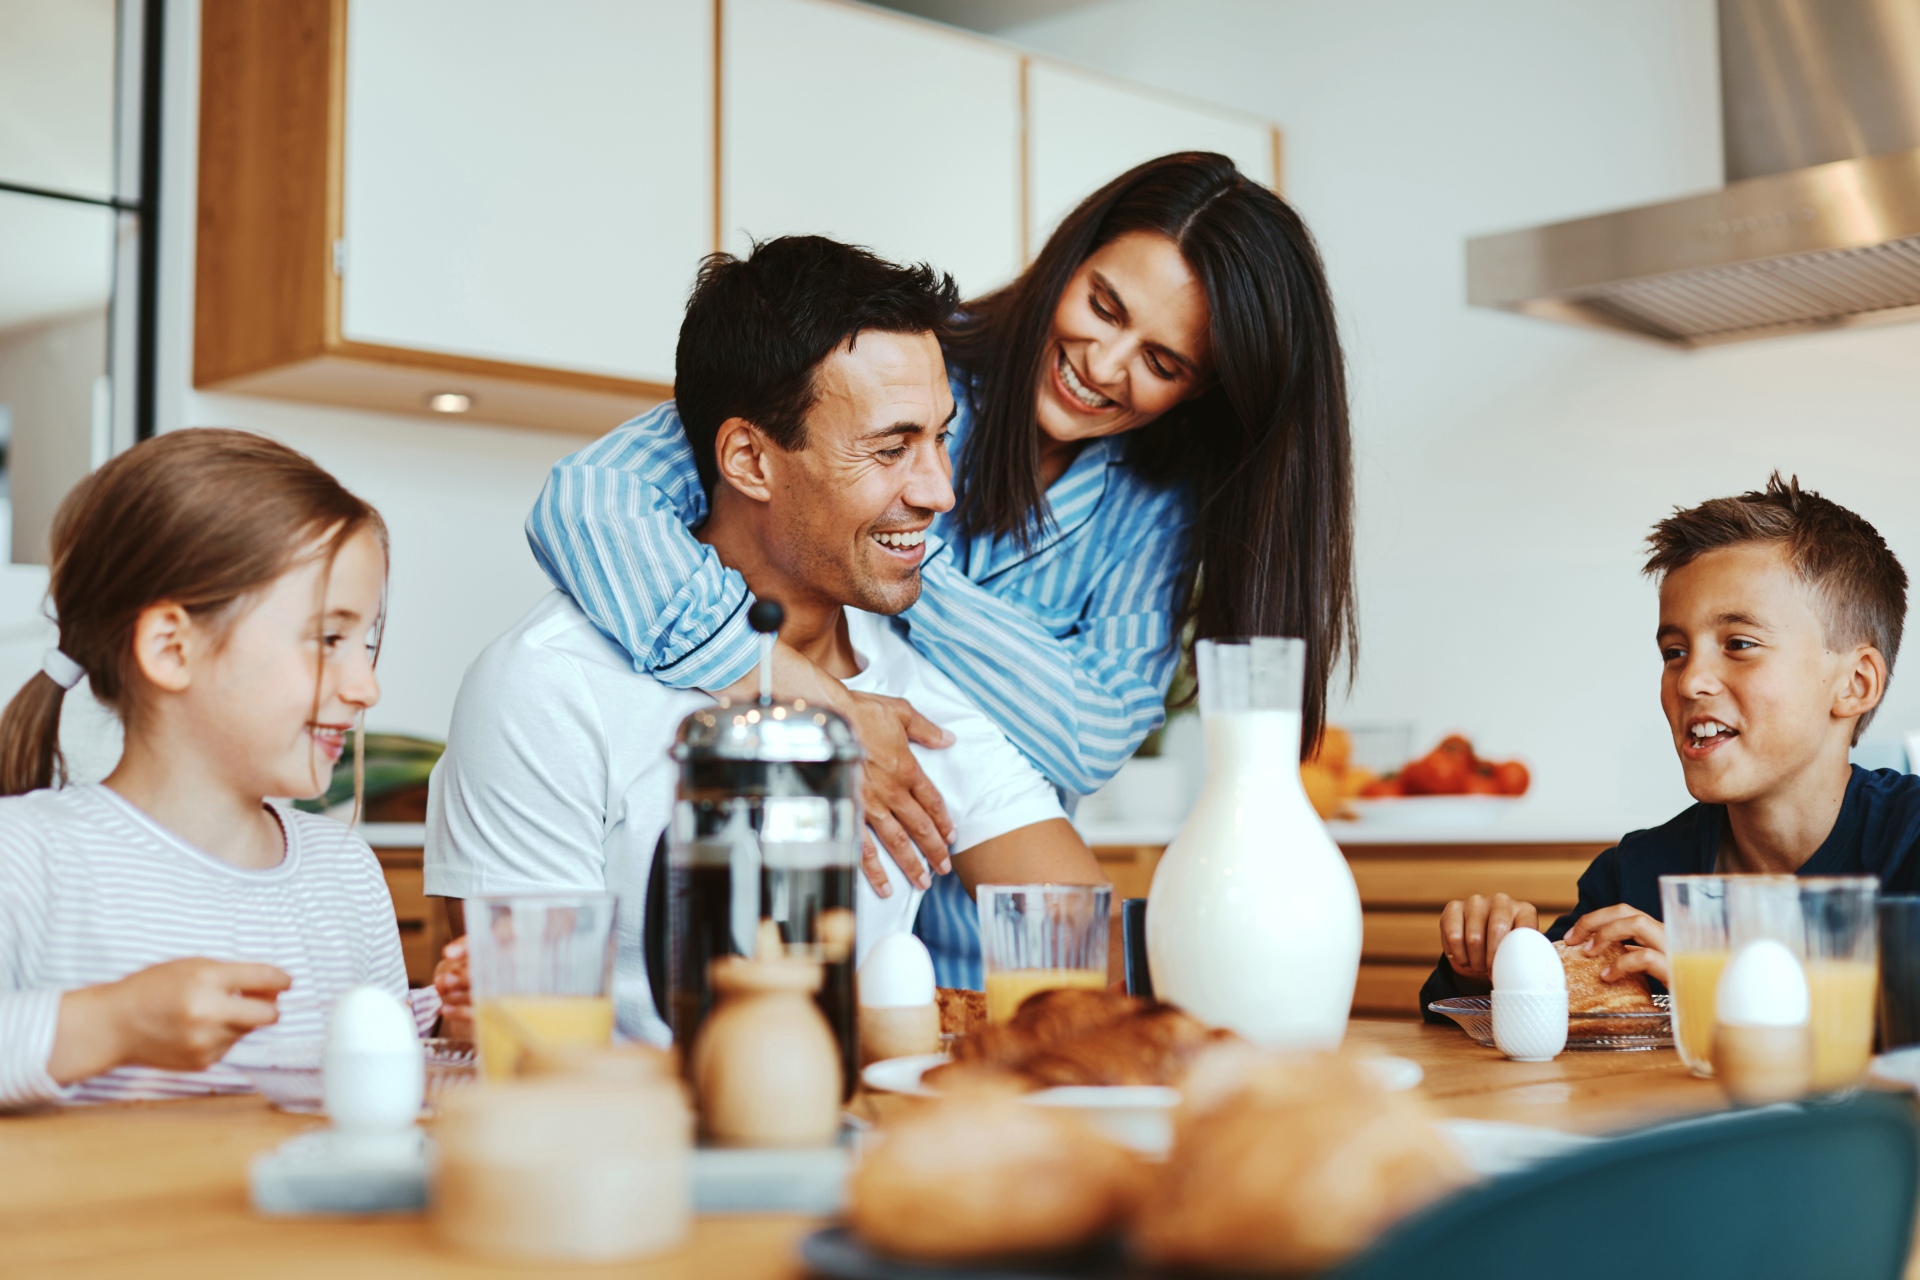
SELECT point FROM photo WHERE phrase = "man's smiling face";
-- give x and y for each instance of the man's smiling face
(852, 505)
(1749, 685)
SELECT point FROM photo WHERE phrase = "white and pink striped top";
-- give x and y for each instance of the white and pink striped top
(92, 889)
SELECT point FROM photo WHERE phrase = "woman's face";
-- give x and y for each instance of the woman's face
(1129, 340)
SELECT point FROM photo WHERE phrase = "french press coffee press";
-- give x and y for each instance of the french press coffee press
(763, 847)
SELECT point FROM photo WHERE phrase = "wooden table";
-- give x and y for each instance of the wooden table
(159, 1190)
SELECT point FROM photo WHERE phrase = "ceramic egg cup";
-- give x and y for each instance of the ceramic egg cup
(1530, 1026)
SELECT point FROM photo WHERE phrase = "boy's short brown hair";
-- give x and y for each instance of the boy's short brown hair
(1857, 580)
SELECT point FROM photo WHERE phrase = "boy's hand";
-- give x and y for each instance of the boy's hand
(450, 980)
(1471, 930)
(180, 1016)
(1622, 923)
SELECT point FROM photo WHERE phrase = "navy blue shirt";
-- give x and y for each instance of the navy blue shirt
(1877, 833)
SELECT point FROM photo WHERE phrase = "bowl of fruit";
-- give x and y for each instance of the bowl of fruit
(1450, 784)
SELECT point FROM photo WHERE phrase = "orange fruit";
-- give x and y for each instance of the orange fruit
(1323, 788)
(1335, 748)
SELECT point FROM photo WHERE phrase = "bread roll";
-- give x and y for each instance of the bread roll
(1588, 992)
(1298, 1165)
(984, 1175)
(962, 1012)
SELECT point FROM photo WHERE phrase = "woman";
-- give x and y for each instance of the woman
(1151, 432)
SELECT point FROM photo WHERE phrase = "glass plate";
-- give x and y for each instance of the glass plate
(289, 1075)
(1617, 1031)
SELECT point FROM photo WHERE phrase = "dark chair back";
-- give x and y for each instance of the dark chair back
(1783, 1193)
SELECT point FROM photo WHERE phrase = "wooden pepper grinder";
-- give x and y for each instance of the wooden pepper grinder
(765, 1065)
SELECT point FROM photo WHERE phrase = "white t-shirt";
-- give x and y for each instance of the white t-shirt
(92, 890)
(557, 776)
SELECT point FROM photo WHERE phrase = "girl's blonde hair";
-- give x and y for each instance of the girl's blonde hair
(200, 518)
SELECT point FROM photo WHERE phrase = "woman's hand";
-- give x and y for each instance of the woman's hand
(452, 984)
(1622, 923)
(179, 1016)
(904, 809)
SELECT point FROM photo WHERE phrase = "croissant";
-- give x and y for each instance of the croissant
(1147, 1048)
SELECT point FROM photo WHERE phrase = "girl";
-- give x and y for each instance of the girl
(223, 595)
(1152, 432)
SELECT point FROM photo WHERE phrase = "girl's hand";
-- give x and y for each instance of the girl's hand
(179, 1016)
(1622, 923)
(450, 980)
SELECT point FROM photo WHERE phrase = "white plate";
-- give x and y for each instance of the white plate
(902, 1075)
(1494, 1147)
(1446, 811)
(1899, 1066)
(1136, 1116)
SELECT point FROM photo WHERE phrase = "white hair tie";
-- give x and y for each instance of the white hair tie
(62, 670)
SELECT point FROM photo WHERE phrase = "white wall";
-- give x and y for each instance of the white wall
(1508, 469)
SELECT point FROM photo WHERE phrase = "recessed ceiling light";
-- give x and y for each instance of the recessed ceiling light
(449, 402)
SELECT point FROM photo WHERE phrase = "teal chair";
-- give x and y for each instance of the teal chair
(1821, 1192)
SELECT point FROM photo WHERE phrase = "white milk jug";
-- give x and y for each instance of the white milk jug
(1253, 922)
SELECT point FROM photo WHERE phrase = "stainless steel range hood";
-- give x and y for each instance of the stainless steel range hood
(1818, 226)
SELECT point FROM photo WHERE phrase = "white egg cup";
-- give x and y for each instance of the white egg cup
(1530, 1026)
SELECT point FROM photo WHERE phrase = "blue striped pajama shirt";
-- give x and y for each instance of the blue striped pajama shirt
(1067, 644)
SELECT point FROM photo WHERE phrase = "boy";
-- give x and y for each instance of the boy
(1780, 616)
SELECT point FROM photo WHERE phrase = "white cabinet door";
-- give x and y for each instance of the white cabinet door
(882, 131)
(528, 182)
(1085, 130)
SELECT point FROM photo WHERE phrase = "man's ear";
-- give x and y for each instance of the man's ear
(1864, 684)
(164, 640)
(740, 451)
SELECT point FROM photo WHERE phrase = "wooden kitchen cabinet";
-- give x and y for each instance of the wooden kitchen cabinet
(1084, 129)
(874, 129)
(474, 196)
(401, 199)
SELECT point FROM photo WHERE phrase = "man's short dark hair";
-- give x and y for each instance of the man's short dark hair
(758, 327)
(1855, 578)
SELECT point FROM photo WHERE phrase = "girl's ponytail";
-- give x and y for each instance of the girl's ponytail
(30, 737)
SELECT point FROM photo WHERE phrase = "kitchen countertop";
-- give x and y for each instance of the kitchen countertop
(1515, 830)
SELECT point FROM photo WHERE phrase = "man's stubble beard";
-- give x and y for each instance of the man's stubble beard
(854, 584)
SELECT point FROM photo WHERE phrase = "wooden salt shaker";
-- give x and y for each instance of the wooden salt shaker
(765, 1066)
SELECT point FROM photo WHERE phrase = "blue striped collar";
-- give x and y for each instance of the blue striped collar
(1071, 502)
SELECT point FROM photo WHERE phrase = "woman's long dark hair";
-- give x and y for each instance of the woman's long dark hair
(1265, 449)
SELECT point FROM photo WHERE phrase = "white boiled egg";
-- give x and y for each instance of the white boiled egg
(898, 973)
(1762, 986)
(1527, 962)
(375, 1067)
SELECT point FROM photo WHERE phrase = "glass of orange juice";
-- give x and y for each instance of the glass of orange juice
(540, 967)
(1038, 937)
(1694, 910)
(1842, 956)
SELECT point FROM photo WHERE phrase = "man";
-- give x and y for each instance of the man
(816, 400)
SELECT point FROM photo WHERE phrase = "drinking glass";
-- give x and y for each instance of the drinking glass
(1037, 937)
(540, 966)
(1899, 971)
(1694, 910)
(1843, 974)
(1829, 924)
